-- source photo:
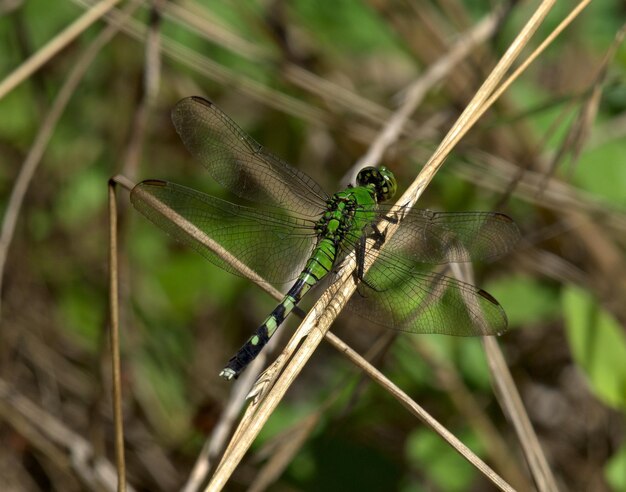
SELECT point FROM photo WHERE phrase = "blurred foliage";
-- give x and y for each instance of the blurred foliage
(526, 300)
(183, 318)
(616, 470)
(432, 457)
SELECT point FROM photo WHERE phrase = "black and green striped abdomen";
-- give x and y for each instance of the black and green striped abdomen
(318, 266)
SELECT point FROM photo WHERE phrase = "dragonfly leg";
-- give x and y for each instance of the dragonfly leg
(395, 218)
(378, 235)
(360, 257)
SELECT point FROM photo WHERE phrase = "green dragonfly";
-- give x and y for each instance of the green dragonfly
(298, 233)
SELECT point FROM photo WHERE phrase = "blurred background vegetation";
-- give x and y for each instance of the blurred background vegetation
(314, 82)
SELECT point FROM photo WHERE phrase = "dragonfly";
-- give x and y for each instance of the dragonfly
(290, 230)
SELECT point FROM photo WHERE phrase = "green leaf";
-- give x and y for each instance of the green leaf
(598, 345)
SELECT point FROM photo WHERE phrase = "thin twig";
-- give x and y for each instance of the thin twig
(150, 89)
(55, 45)
(511, 401)
(118, 419)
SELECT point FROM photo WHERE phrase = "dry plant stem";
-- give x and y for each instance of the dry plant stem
(200, 236)
(198, 475)
(123, 181)
(215, 443)
(260, 410)
(30, 165)
(164, 473)
(512, 403)
(151, 78)
(277, 463)
(114, 318)
(489, 91)
(317, 322)
(55, 45)
(257, 413)
(502, 378)
(55, 440)
(297, 436)
(465, 121)
(546, 42)
(40, 143)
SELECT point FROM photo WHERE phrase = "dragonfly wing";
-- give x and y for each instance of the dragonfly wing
(270, 243)
(440, 237)
(400, 296)
(239, 163)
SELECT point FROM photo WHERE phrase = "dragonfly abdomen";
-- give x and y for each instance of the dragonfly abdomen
(317, 267)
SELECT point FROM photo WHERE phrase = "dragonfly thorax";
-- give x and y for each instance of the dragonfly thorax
(338, 219)
(382, 180)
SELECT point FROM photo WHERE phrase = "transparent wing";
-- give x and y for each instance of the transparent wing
(399, 290)
(272, 243)
(397, 295)
(439, 237)
(239, 163)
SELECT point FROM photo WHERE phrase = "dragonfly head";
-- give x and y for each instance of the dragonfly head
(382, 179)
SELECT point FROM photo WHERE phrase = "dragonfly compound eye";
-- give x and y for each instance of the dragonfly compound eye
(382, 179)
